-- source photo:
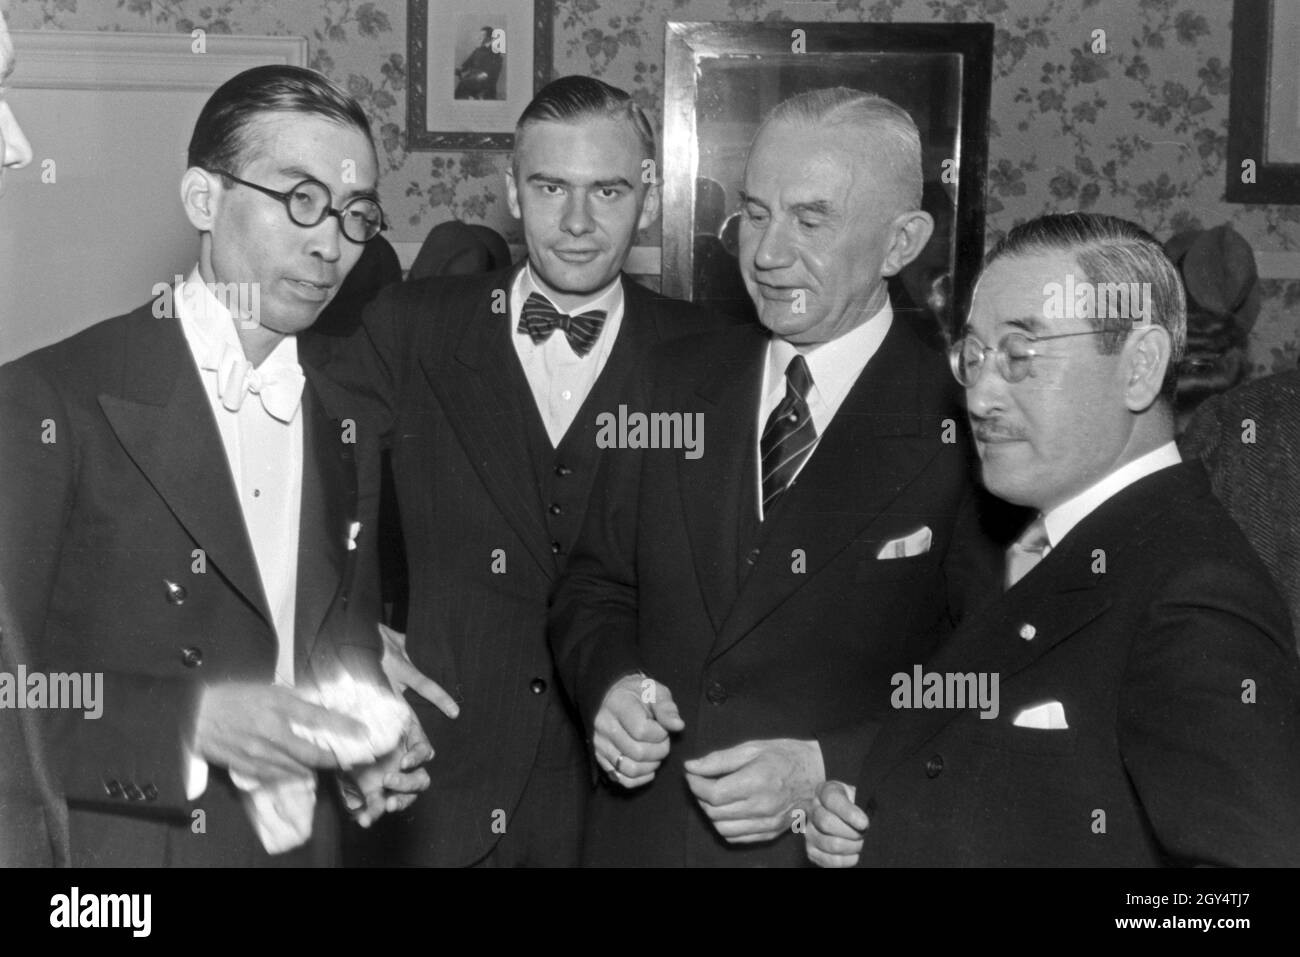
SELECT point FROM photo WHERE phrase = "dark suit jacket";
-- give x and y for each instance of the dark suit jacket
(116, 484)
(1257, 480)
(1149, 659)
(33, 814)
(767, 632)
(489, 512)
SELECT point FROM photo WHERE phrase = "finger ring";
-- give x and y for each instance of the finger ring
(618, 764)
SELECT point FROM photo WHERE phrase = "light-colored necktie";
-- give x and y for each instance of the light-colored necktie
(279, 387)
(1027, 551)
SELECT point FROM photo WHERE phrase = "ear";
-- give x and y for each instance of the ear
(911, 232)
(650, 206)
(1147, 353)
(199, 195)
(512, 191)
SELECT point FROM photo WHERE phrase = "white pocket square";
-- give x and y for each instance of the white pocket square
(1044, 717)
(918, 543)
(353, 529)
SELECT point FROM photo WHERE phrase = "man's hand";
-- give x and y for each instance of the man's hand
(393, 783)
(402, 674)
(834, 834)
(245, 728)
(750, 791)
(630, 733)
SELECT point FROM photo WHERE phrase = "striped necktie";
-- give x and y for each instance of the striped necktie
(539, 318)
(789, 436)
(1027, 551)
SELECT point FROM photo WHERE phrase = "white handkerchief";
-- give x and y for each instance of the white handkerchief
(282, 812)
(353, 529)
(1044, 717)
(918, 543)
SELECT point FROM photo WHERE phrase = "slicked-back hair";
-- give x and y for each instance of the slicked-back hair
(1108, 249)
(224, 136)
(891, 126)
(573, 98)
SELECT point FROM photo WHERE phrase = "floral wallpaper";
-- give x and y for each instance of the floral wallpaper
(1140, 131)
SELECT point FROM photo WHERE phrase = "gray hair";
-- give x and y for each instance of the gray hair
(893, 127)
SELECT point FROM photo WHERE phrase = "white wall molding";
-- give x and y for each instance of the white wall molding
(104, 60)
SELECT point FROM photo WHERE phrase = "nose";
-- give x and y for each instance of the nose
(774, 250)
(987, 394)
(17, 151)
(576, 218)
(327, 239)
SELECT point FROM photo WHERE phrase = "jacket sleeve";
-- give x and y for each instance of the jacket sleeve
(136, 741)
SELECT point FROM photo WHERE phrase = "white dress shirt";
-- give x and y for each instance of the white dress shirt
(559, 378)
(1065, 516)
(265, 458)
(834, 367)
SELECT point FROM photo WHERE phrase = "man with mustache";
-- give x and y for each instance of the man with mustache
(722, 620)
(1148, 682)
(488, 389)
(179, 514)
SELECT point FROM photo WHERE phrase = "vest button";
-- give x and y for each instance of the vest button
(934, 767)
(555, 509)
(563, 470)
(555, 548)
(716, 693)
(176, 594)
(537, 686)
(192, 657)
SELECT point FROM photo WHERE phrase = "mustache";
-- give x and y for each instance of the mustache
(996, 430)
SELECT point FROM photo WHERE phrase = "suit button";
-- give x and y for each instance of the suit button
(716, 693)
(176, 594)
(150, 792)
(555, 548)
(934, 767)
(112, 788)
(752, 557)
(563, 470)
(192, 657)
(133, 792)
(555, 509)
(537, 686)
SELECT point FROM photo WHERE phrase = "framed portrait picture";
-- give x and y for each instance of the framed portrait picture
(721, 79)
(473, 65)
(1264, 104)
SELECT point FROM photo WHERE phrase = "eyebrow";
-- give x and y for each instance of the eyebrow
(816, 207)
(561, 181)
(300, 174)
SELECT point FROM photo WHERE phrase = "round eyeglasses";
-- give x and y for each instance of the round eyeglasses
(1013, 356)
(308, 203)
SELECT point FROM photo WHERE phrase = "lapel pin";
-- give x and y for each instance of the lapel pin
(1027, 631)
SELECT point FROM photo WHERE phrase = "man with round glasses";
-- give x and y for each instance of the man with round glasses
(180, 520)
(1147, 682)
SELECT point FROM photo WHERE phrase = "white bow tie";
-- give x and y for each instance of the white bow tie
(279, 387)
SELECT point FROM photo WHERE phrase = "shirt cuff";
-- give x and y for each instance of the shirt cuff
(196, 776)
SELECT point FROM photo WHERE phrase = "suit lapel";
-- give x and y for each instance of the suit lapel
(713, 496)
(879, 441)
(489, 406)
(1059, 598)
(329, 495)
(164, 422)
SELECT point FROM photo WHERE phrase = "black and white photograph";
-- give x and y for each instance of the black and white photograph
(649, 434)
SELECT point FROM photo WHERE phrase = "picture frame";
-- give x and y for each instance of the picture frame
(722, 78)
(1264, 104)
(468, 77)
